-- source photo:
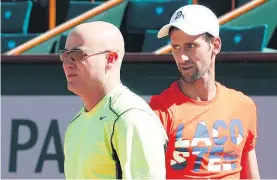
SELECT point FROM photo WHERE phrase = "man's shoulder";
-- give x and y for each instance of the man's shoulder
(237, 96)
(127, 100)
(131, 108)
(165, 97)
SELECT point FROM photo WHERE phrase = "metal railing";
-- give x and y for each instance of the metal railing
(52, 14)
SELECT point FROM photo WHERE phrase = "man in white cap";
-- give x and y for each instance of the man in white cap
(212, 129)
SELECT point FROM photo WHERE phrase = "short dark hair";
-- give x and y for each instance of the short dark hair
(172, 28)
(206, 36)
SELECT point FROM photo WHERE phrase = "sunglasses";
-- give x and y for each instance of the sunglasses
(78, 55)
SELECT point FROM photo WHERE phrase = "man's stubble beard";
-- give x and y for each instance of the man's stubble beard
(196, 75)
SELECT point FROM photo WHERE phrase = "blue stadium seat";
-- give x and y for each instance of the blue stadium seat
(150, 14)
(15, 16)
(61, 42)
(219, 7)
(10, 41)
(151, 42)
(241, 2)
(143, 15)
(78, 7)
(243, 38)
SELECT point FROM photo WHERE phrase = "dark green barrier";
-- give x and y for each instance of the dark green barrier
(253, 74)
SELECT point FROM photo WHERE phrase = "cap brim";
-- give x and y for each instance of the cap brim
(188, 29)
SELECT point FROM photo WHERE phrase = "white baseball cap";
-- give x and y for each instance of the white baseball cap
(194, 20)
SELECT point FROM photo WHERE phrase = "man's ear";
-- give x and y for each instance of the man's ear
(217, 45)
(112, 57)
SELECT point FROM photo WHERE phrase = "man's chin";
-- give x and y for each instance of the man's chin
(71, 87)
(190, 79)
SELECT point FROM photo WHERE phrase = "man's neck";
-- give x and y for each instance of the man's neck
(203, 89)
(95, 95)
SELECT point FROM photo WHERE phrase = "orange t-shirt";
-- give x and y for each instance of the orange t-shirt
(206, 139)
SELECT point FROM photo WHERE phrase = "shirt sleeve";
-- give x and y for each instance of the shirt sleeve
(252, 131)
(140, 141)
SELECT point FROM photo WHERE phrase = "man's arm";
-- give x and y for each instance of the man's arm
(139, 140)
(249, 165)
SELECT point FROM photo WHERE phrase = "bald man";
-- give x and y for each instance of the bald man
(115, 134)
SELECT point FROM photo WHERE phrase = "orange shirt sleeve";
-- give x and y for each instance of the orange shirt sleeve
(160, 108)
(252, 131)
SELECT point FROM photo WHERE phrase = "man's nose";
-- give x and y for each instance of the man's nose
(67, 64)
(184, 57)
